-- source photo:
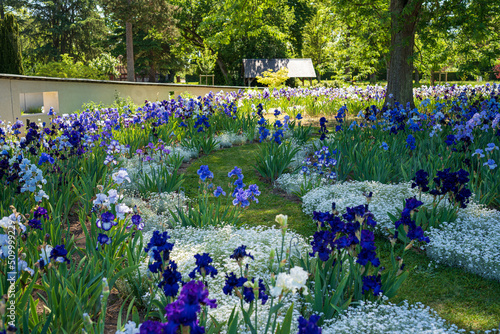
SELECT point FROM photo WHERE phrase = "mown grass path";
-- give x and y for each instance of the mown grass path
(467, 300)
(270, 202)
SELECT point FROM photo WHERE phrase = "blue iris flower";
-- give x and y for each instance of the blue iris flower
(233, 282)
(490, 147)
(219, 191)
(241, 198)
(45, 158)
(490, 163)
(103, 239)
(249, 296)
(239, 184)
(203, 266)
(156, 246)
(479, 152)
(59, 254)
(278, 135)
(421, 180)
(263, 133)
(235, 172)
(205, 173)
(309, 326)
(373, 283)
(239, 253)
(410, 142)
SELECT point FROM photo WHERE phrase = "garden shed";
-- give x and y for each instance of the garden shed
(301, 68)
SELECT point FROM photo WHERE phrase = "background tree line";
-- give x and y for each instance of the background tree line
(394, 40)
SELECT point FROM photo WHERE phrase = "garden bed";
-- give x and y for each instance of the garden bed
(121, 215)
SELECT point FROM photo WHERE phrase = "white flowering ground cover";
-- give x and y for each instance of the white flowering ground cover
(229, 139)
(368, 317)
(156, 210)
(260, 241)
(386, 198)
(373, 318)
(471, 242)
(303, 152)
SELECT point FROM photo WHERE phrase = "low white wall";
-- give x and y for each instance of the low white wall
(68, 95)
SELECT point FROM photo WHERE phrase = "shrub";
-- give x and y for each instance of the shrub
(271, 79)
(68, 68)
(105, 65)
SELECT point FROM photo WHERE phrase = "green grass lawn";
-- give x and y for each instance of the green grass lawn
(467, 300)
(270, 203)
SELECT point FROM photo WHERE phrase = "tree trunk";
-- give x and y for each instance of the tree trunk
(404, 16)
(130, 52)
(129, 40)
(223, 69)
(417, 76)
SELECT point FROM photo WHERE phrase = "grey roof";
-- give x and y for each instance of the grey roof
(297, 68)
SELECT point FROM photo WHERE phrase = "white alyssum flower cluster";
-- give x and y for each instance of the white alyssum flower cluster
(137, 169)
(184, 152)
(260, 241)
(471, 242)
(301, 155)
(373, 318)
(136, 166)
(291, 183)
(155, 210)
(386, 198)
(228, 139)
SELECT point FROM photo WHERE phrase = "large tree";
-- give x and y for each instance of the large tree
(360, 40)
(10, 53)
(404, 19)
(74, 27)
(147, 17)
(236, 29)
(408, 17)
(318, 34)
(303, 11)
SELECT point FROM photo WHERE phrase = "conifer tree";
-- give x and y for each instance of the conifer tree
(10, 52)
